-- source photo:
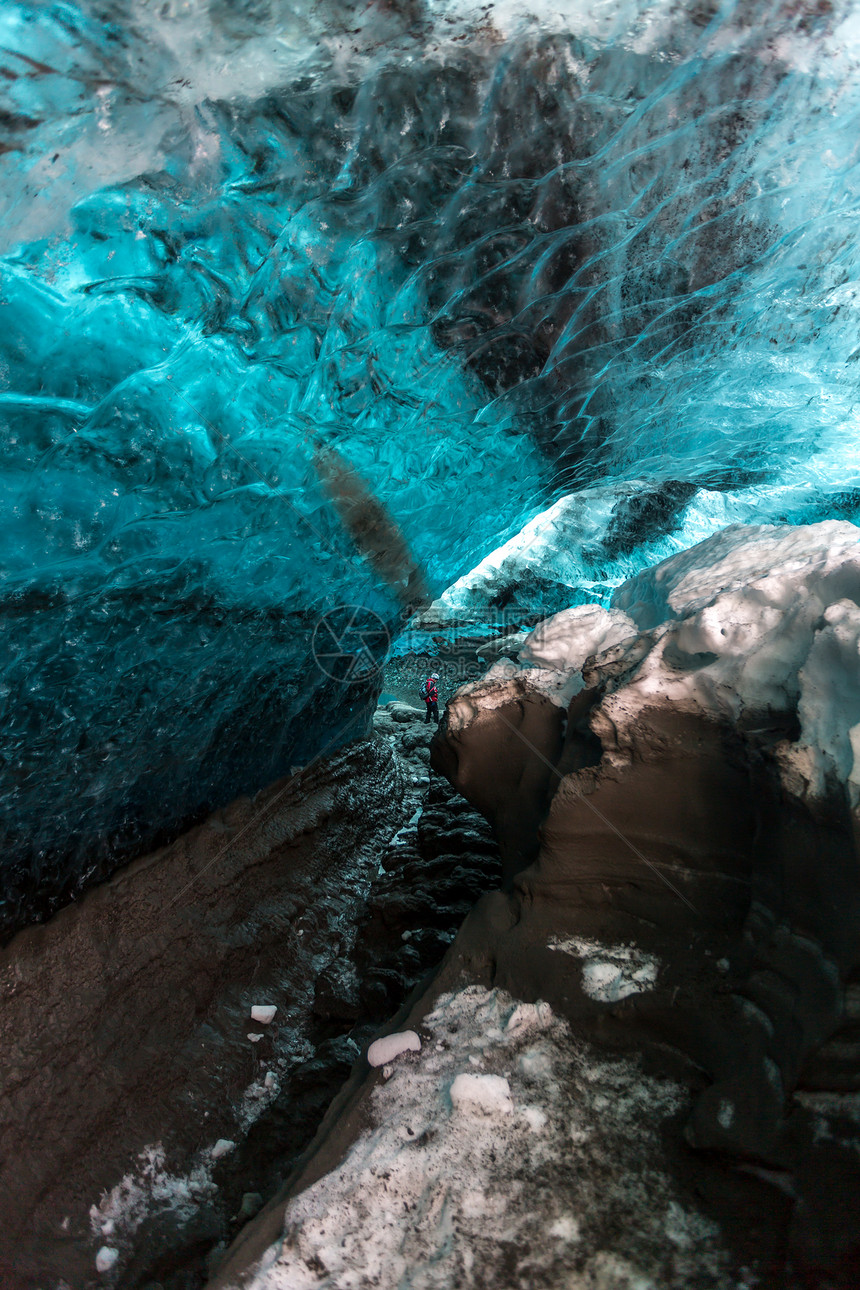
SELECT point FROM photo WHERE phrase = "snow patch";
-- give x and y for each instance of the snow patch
(487, 1094)
(149, 1188)
(565, 1228)
(611, 972)
(430, 1195)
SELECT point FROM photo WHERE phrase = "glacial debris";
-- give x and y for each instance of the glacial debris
(658, 1009)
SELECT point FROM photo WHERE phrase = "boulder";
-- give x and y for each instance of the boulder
(404, 712)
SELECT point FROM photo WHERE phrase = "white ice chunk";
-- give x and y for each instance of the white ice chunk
(384, 1050)
(264, 1013)
(222, 1147)
(106, 1258)
(487, 1094)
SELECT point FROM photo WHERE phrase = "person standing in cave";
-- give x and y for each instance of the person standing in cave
(430, 695)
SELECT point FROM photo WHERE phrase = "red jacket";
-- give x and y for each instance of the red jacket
(432, 691)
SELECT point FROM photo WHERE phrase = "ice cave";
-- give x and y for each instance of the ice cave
(430, 668)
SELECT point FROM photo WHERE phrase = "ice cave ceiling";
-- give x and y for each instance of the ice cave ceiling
(491, 255)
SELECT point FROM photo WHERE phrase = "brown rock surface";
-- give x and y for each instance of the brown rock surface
(676, 839)
(674, 788)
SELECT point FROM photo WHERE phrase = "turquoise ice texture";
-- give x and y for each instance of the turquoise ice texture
(492, 256)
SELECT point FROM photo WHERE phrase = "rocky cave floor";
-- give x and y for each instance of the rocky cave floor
(430, 873)
(340, 907)
(172, 1214)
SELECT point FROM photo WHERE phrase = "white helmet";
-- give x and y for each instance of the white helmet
(434, 676)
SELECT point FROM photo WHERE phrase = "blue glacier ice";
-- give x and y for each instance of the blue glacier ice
(489, 256)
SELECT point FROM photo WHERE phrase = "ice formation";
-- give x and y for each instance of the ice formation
(490, 257)
(310, 311)
(676, 779)
(683, 892)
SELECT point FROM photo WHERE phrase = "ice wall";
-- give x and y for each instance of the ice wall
(489, 255)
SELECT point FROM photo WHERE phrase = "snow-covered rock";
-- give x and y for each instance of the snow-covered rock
(563, 643)
(755, 621)
(783, 562)
(550, 658)
(696, 805)
(389, 1047)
